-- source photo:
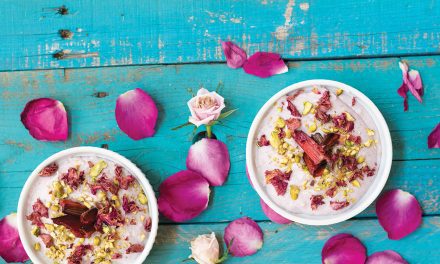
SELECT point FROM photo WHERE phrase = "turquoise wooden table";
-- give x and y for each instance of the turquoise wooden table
(170, 48)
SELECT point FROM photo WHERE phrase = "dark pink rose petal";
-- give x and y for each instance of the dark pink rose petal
(265, 64)
(399, 213)
(235, 56)
(136, 114)
(11, 249)
(272, 215)
(46, 119)
(342, 249)
(434, 138)
(209, 158)
(386, 257)
(411, 82)
(246, 237)
(183, 196)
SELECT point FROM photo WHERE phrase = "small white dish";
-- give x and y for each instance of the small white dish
(23, 227)
(376, 186)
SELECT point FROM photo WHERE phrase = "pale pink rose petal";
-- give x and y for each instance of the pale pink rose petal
(343, 249)
(246, 237)
(46, 119)
(272, 215)
(11, 248)
(209, 158)
(235, 56)
(183, 196)
(265, 64)
(386, 257)
(399, 213)
(136, 114)
(434, 137)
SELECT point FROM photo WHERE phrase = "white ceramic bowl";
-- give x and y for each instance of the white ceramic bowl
(375, 187)
(23, 227)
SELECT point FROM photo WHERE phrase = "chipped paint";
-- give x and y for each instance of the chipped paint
(282, 32)
(304, 6)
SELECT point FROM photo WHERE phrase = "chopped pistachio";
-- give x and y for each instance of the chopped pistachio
(117, 203)
(356, 183)
(284, 160)
(312, 128)
(360, 159)
(297, 159)
(368, 143)
(96, 241)
(106, 229)
(55, 208)
(279, 109)
(370, 132)
(35, 231)
(69, 189)
(294, 191)
(280, 123)
(142, 198)
(49, 227)
(325, 130)
(81, 240)
(58, 189)
(97, 168)
(288, 133)
(349, 116)
(114, 197)
(339, 91)
(88, 204)
(101, 195)
(275, 140)
(37, 246)
(307, 108)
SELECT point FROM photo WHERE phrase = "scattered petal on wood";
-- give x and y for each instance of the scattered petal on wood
(434, 137)
(235, 56)
(265, 64)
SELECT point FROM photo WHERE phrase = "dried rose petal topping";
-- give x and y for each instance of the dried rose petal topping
(278, 179)
(183, 196)
(209, 158)
(129, 206)
(49, 170)
(245, 235)
(342, 249)
(104, 183)
(46, 119)
(39, 211)
(399, 213)
(78, 253)
(265, 64)
(135, 248)
(136, 114)
(11, 248)
(124, 182)
(336, 205)
(148, 224)
(292, 109)
(47, 240)
(293, 124)
(73, 177)
(263, 142)
(316, 200)
(341, 121)
(331, 192)
(235, 56)
(110, 216)
(272, 215)
(434, 138)
(386, 257)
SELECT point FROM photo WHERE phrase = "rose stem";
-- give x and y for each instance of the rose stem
(209, 131)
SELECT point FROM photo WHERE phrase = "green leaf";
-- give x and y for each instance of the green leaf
(226, 253)
(183, 125)
(220, 86)
(226, 114)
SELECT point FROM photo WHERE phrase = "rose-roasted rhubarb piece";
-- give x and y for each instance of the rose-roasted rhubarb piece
(73, 223)
(72, 208)
(313, 150)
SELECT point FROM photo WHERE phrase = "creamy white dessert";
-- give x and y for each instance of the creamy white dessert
(317, 151)
(86, 209)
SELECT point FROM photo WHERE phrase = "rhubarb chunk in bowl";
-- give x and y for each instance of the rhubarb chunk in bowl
(87, 205)
(319, 152)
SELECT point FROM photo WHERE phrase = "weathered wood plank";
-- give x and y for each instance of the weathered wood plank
(150, 32)
(415, 168)
(302, 244)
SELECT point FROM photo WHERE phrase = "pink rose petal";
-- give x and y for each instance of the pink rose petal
(209, 158)
(386, 257)
(265, 64)
(183, 196)
(272, 215)
(342, 249)
(434, 138)
(411, 82)
(11, 249)
(399, 213)
(46, 119)
(246, 237)
(136, 114)
(235, 56)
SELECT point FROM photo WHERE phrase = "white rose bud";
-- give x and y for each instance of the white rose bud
(205, 249)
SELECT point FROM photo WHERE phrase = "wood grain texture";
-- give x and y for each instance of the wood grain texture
(415, 167)
(154, 32)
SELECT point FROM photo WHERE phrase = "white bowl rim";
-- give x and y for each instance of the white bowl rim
(137, 173)
(385, 165)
